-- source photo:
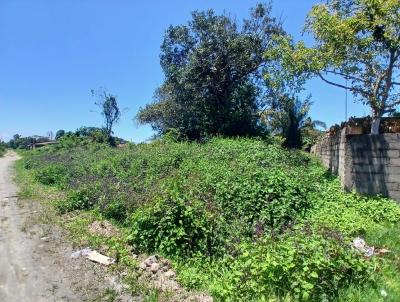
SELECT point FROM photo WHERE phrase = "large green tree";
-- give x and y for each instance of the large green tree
(285, 113)
(357, 41)
(213, 70)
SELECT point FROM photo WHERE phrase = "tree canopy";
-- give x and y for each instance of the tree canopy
(213, 67)
(357, 41)
(109, 110)
(59, 134)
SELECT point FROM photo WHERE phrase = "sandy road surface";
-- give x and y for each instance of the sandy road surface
(24, 274)
(34, 258)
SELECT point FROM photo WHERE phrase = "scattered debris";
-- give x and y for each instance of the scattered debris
(158, 272)
(150, 260)
(103, 228)
(81, 253)
(154, 267)
(368, 251)
(104, 249)
(381, 252)
(154, 264)
(99, 258)
(170, 274)
(92, 256)
(165, 284)
(143, 266)
(203, 298)
(360, 245)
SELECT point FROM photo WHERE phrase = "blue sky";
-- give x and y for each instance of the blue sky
(53, 52)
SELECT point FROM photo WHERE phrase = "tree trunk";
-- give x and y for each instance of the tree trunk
(376, 121)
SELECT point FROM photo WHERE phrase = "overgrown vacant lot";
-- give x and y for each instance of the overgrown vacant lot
(243, 219)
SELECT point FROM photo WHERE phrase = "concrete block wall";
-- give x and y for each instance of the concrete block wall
(368, 164)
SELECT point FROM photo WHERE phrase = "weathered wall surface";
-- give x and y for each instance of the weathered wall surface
(368, 164)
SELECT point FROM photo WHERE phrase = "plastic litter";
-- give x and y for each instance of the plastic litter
(360, 245)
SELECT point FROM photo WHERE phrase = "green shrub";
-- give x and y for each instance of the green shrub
(27, 164)
(114, 210)
(51, 174)
(244, 218)
(2, 149)
(83, 199)
(177, 226)
(350, 213)
(303, 265)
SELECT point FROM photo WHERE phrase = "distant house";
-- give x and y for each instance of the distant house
(33, 146)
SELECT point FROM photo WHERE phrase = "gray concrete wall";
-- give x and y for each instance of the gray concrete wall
(368, 164)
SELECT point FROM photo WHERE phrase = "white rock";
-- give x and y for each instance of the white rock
(154, 267)
(150, 260)
(99, 258)
(170, 274)
(143, 266)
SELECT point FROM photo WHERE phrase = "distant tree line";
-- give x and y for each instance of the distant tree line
(90, 134)
(110, 112)
(20, 142)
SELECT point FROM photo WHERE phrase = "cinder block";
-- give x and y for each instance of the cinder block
(392, 187)
(373, 160)
(395, 196)
(376, 154)
(391, 137)
(376, 169)
(393, 178)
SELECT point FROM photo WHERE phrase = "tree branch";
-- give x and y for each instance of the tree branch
(344, 75)
(335, 84)
(391, 108)
(353, 89)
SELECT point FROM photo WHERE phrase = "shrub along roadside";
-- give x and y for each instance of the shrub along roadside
(229, 212)
(2, 149)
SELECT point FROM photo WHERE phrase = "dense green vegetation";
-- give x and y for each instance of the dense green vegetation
(221, 79)
(243, 219)
(3, 147)
(82, 135)
(213, 75)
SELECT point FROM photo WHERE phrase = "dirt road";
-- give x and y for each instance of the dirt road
(24, 275)
(34, 258)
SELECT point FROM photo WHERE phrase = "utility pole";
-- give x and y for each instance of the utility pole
(345, 103)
